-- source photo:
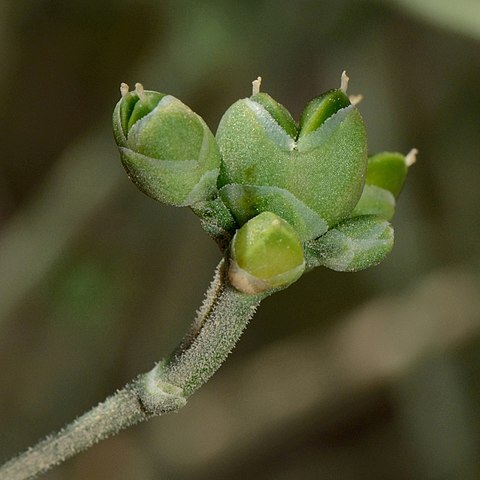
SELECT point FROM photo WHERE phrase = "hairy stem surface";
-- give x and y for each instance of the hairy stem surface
(213, 335)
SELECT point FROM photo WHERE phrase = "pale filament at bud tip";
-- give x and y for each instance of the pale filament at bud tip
(411, 157)
(355, 99)
(344, 82)
(256, 85)
(124, 89)
(140, 91)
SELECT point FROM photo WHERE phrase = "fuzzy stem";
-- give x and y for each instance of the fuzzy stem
(227, 312)
(213, 335)
(117, 412)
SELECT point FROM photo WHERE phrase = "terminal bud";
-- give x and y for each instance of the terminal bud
(167, 149)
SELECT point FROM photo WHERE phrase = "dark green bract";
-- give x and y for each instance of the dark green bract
(278, 197)
(321, 109)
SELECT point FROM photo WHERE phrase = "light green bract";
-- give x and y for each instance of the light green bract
(354, 244)
(279, 197)
(266, 253)
(167, 150)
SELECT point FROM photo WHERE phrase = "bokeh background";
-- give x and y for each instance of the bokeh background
(374, 375)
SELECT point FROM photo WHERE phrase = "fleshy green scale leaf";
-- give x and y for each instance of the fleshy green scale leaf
(320, 109)
(266, 253)
(127, 104)
(375, 201)
(278, 112)
(247, 201)
(386, 173)
(387, 170)
(141, 108)
(353, 245)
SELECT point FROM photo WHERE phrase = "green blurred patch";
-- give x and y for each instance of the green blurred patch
(83, 294)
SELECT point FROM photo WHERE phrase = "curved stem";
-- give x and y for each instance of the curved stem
(219, 325)
(213, 335)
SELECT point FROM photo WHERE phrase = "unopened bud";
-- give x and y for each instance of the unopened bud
(266, 254)
(167, 150)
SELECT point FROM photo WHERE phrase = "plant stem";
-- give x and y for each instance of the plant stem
(116, 413)
(213, 335)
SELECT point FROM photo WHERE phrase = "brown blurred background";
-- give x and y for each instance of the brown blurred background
(374, 375)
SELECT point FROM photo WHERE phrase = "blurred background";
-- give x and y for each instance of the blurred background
(374, 375)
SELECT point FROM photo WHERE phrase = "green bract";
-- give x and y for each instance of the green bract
(321, 109)
(354, 244)
(387, 170)
(266, 253)
(167, 150)
(386, 174)
(278, 197)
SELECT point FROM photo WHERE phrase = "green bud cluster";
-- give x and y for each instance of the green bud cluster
(317, 169)
(280, 197)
